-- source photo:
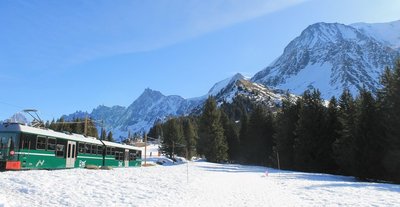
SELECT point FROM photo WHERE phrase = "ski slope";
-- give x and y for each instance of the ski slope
(192, 184)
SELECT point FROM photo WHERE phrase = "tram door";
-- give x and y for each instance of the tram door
(126, 158)
(71, 154)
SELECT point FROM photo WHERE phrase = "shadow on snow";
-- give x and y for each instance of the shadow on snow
(232, 168)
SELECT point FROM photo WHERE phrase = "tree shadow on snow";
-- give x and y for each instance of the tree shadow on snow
(376, 186)
(316, 177)
(337, 181)
(234, 168)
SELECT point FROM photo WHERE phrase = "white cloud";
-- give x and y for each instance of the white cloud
(218, 14)
(57, 33)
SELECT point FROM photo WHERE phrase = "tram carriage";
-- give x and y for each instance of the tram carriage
(25, 147)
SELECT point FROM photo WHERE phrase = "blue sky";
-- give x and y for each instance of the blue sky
(63, 56)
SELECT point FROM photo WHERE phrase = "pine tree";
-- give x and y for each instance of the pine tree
(103, 134)
(47, 124)
(92, 129)
(212, 143)
(284, 137)
(172, 141)
(343, 146)
(78, 126)
(325, 157)
(309, 131)
(232, 136)
(156, 131)
(110, 137)
(190, 137)
(389, 107)
(259, 142)
(368, 142)
(53, 125)
(129, 134)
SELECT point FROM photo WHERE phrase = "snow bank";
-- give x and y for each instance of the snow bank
(190, 184)
(2, 201)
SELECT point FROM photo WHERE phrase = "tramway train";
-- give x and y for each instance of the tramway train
(26, 147)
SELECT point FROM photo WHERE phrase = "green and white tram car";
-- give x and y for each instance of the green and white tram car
(25, 147)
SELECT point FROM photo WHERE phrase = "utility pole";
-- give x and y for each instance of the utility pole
(277, 155)
(145, 149)
(86, 123)
(173, 150)
(187, 165)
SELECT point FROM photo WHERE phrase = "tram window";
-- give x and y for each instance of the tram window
(110, 151)
(132, 156)
(100, 150)
(81, 147)
(60, 150)
(41, 143)
(119, 155)
(28, 141)
(88, 148)
(3, 142)
(51, 144)
(94, 149)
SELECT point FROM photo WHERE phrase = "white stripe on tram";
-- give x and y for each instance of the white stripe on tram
(98, 158)
(32, 153)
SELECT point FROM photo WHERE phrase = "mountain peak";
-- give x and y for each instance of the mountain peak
(321, 33)
(218, 87)
(150, 93)
(387, 33)
(237, 76)
(330, 57)
(18, 118)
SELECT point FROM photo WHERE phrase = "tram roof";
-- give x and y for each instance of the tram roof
(16, 127)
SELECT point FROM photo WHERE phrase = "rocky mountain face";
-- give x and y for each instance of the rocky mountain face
(327, 56)
(149, 107)
(17, 118)
(331, 57)
(240, 86)
(386, 33)
(152, 106)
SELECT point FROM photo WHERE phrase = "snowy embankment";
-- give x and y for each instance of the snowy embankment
(195, 184)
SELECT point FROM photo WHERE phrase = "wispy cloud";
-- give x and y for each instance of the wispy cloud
(218, 14)
(52, 34)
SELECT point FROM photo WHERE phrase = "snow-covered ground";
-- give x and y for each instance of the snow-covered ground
(192, 184)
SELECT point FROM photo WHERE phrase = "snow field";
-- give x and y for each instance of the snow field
(208, 184)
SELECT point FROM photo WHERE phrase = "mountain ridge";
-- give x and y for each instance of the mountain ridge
(327, 56)
(330, 57)
(152, 106)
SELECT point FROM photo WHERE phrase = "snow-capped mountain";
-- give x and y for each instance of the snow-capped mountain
(152, 106)
(327, 56)
(241, 86)
(387, 33)
(149, 107)
(333, 56)
(18, 118)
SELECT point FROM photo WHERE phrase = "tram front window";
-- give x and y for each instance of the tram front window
(7, 145)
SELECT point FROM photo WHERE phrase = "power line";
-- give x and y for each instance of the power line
(13, 105)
